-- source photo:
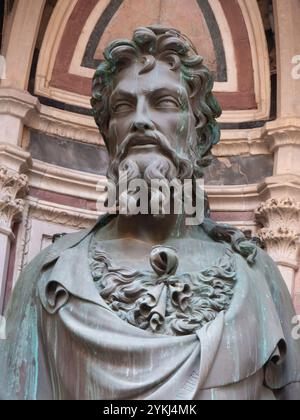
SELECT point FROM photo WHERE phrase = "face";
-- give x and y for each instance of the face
(144, 104)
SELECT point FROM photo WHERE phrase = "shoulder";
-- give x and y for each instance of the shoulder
(268, 266)
(65, 242)
(24, 289)
(53, 251)
(276, 283)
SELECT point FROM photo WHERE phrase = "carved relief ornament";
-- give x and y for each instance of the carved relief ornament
(13, 188)
(280, 219)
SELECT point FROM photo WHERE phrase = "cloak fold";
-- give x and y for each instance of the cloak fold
(253, 339)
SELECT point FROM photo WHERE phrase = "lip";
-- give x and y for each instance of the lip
(144, 146)
(143, 142)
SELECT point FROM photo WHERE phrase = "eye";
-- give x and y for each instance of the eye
(167, 102)
(120, 107)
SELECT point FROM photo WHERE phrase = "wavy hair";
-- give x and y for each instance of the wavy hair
(168, 45)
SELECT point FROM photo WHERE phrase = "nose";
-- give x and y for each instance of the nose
(142, 122)
(142, 126)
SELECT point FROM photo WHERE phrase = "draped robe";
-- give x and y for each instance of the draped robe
(64, 342)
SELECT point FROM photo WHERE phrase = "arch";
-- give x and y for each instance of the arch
(65, 67)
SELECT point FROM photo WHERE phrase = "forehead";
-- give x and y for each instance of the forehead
(160, 77)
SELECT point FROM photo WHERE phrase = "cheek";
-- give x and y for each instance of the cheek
(167, 122)
(184, 123)
(113, 137)
(177, 127)
(117, 131)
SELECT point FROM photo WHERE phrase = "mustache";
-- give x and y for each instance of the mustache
(154, 138)
(184, 166)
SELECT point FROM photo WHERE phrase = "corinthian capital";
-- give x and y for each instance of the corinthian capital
(13, 188)
(280, 219)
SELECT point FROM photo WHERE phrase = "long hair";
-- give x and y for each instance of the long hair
(148, 45)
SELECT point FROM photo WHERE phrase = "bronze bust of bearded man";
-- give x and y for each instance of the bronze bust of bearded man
(146, 306)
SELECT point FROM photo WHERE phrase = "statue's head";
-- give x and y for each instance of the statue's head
(153, 103)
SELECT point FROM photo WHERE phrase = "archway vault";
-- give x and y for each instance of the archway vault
(230, 35)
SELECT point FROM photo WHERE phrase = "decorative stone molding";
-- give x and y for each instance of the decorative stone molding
(242, 142)
(223, 198)
(83, 129)
(283, 132)
(284, 142)
(279, 186)
(67, 181)
(62, 215)
(281, 231)
(13, 187)
(17, 103)
(15, 107)
(15, 158)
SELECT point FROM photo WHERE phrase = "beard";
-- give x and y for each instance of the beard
(157, 168)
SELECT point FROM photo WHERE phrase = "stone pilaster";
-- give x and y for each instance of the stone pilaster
(21, 43)
(280, 219)
(15, 107)
(13, 188)
(284, 141)
(280, 212)
(287, 31)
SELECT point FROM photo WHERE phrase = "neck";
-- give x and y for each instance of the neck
(151, 229)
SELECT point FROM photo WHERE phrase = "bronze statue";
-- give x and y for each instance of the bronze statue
(147, 306)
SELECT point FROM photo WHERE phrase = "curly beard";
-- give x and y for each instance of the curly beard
(163, 165)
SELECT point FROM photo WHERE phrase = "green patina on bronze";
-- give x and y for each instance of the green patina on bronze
(162, 44)
(144, 307)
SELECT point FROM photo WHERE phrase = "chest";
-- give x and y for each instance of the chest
(192, 255)
(160, 290)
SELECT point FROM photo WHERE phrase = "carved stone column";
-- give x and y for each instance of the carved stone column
(284, 141)
(280, 219)
(283, 134)
(287, 31)
(19, 49)
(13, 188)
(280, 215)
